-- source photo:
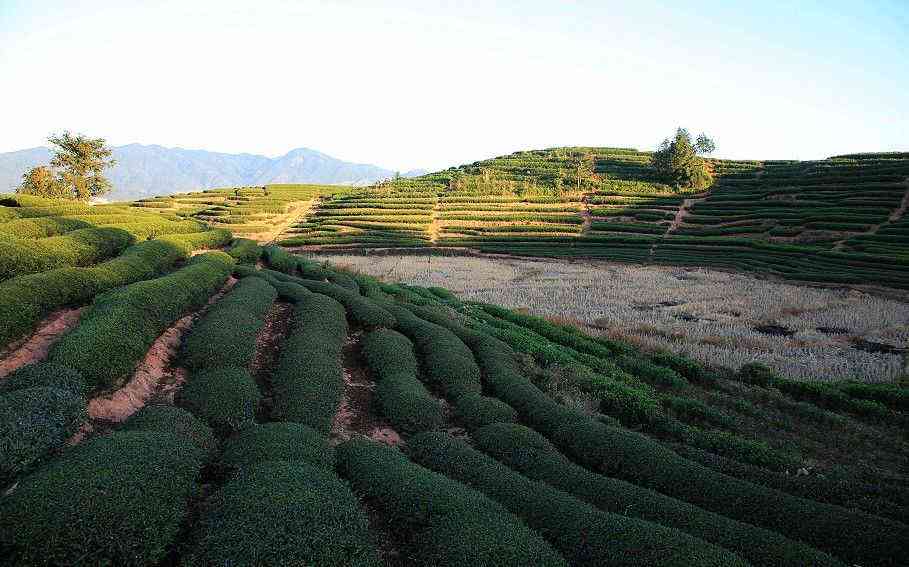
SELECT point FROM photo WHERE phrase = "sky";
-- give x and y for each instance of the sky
(428, 84)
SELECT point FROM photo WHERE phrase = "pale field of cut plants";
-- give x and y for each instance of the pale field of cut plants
(710, 315)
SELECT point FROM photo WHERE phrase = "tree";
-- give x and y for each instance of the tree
(42, 182)
(81, 162)
(678, 162)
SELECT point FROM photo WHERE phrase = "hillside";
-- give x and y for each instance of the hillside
(839, 220)
(173, 395)
(148, 170)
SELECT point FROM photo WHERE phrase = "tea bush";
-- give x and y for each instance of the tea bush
(278, 441)
(452, 524)
(115, 334)
(119, 499)
(226, 398)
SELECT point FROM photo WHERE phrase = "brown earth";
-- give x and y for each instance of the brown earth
(155, 377)
(36, 347)
(354, 416)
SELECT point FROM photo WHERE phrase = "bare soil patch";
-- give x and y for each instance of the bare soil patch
(36, 347)
(355, 416)
(156, 377)
(268, 349)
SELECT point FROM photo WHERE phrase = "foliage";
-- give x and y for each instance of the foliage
(282, 513)
(292, 442)
(677, 160)
(583, 534)
(41, 181)
(44, 375)
(451, 523)
(119, 499)
(226, 334)
(307, 383)
(402, 397)
(171, 419)
(532, 455)
(226, 398)
(33, 423)
(114, 335)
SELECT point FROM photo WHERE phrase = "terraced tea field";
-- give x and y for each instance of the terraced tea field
(173, 395)
(840, 220)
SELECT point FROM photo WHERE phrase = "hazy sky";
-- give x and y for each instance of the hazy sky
(431, 84)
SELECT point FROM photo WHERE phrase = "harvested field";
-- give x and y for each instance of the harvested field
(715, 316)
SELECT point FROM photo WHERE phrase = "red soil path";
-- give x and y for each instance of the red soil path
(36, 347)
(155, 376)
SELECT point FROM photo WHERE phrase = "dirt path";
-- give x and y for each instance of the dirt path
(156, 377)
(268, 349)
(297, 210)
(586, 217)
(36, 347)
(354, 416)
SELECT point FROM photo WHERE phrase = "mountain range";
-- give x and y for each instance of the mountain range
(147, 170)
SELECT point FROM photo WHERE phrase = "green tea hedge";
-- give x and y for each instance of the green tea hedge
(44, 375)
(583, 534)
(292, 442)
(282, 513)
(117, 499)
(76, 248)
(226, 334)
(26, 299)
(402, 397)
(171, 419)
(33, 423)
(245, 251)
(452, 525)
(226, 398)
(642, 461)
(307, 383)
(529, 453)
(114, 335)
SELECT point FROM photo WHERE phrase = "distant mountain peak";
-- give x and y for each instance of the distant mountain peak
(143, 170)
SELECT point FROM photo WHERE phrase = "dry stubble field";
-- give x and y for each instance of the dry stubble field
(718, 317)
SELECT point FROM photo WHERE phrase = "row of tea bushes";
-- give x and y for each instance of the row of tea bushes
(76, 248)
(41, 406)
(115, 334)
(24, 300)
(450, 524)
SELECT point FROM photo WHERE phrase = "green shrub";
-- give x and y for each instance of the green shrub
(756, 374)
(226, 334)
(115, 334)
(292, 442)
(448, 364)
(281, 513)
(118, 499)
(26, 299)
(245, 251)
(475, 410)
(891, 395)
(745, 450)
(362, 310)
(583, 534)
(44, 375)
(307, 383)
(33, 423)
(831, 397)
(171, 419)
(77, 248)
(530, 454)
(42, 227)
(635, 458)
(401, 396)
(226, 398)
(691, 410)
(452, 525)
